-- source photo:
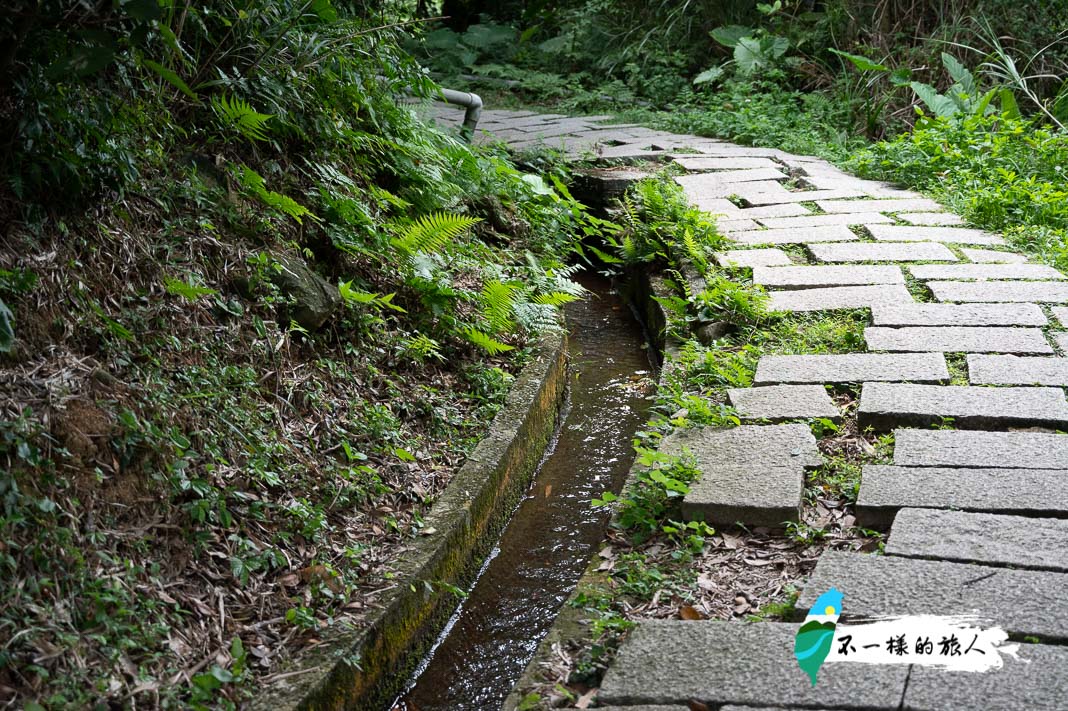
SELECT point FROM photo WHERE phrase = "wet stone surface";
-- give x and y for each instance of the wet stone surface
(1029, 492)
(993, 539)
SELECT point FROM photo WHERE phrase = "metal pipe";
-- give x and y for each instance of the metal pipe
(473, 104)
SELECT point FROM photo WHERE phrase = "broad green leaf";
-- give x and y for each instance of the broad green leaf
(729, 35)
(941, 106)
(959, 73)
(901, 76)
(7, 328)
(186, 289)
(862, 63)
(172, 77)
(774, 46)
(749, 56)
(709, 75)
(1009, 107)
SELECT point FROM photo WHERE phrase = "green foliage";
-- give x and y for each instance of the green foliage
(430, 234)
(647, 505)
(254, 183)
(237, 115)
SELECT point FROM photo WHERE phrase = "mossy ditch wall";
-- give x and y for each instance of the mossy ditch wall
(367, 668)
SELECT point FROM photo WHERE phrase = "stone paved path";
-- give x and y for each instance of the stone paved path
(977, 514)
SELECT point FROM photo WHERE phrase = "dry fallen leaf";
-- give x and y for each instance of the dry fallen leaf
(689, 612)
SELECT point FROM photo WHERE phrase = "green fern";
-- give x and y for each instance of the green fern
(555, 298)
(238, 115)
(253, 182)
(430, 233)
(497, 300)
(485, 341)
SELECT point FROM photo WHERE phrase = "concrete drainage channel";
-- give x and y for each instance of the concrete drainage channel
(549, 539)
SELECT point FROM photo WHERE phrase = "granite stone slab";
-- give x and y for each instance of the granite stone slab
(952, 235)
(882, 252)
(783, 402)
(747, 494)
(914, 205)
(884, 406)
(787, 209)
(963, 448)
(716, 663)
(832, 233)
(990, 539)
(1061, 314)
(931, 218)
(957, 339)
(852, 368)
(1037, 681)
(919, 314)
(1060, 339)
(992, 256)
(1022, 602)
(1047, 292)
(842, 218)
(842, 297)
(739, 225)
(1025, 492)
(756, 196)
(768, 445)
(807, 277)
(697, 182)
(703, 162)
(985, 271)
(1017, 370)
(751, 258)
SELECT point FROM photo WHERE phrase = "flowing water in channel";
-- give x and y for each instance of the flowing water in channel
(547, 543)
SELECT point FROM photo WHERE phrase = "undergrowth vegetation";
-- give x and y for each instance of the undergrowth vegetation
(253, 314)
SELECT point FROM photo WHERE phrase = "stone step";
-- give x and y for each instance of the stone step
(957, 339)
(725, 163)
(991, 539)
(1060, 339)
(783, 402)
(951, 235)
(750, 258)
(1022, 602)
(930, 218)
(707, 183)
(740, 225)
(914, 205)
(716, 663)
(807, 277)
(842, 218)
(881, 252)
(983, 272)
(852, 368)
(884, 406)
(918, 314)
(833, 233)
(963, 448)
(1025, 492)
(1034, 682)
(1043, 292)
(990, 256)
(1017, 370)
(750, 474)
(1061, 314)
(839, 297)
(756, 194)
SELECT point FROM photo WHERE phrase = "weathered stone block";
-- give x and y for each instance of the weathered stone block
(842, 297)
(1025, 492)
(985, 271)
(992, 256)
(807, 277)
(884, 406)
(952, 235)
(833, 233)
(916, 204)
(750, 258)
(852, 368)
(1017, 370)
(957, 339)
(994, 539)
(783, 402)
(961, 448)
(1048, 292)
(918, 314)
(882, 252)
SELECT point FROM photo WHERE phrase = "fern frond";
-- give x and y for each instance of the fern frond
(497, 300)
(430, 233)
(253, 182)
(236, 113)
(486, 342)
(554, 298)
